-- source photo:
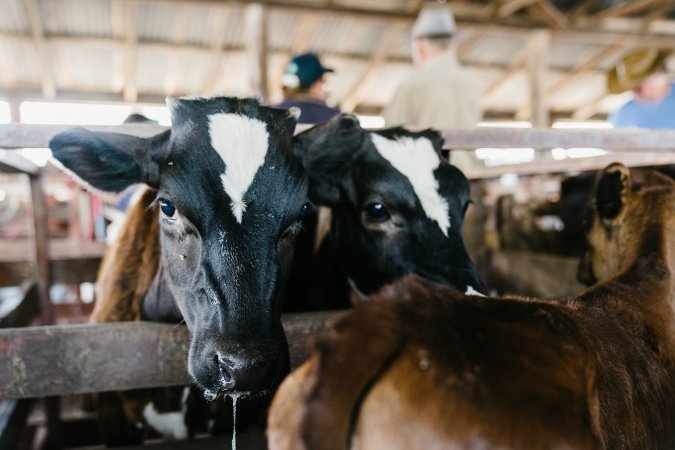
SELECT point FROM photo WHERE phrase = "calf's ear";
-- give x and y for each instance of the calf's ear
(109, 162)
(611, 192)
(326, 152)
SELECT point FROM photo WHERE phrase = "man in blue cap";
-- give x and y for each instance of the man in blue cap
(305, 89)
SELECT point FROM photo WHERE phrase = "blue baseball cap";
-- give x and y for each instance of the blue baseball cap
(304, 70)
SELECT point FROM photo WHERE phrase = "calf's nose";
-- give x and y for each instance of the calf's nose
(239, 375)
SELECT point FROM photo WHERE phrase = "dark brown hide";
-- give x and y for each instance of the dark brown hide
(424, 366)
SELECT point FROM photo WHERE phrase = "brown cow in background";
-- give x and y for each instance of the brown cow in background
(423, 366)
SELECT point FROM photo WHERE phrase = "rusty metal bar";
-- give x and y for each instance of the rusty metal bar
(61, 360)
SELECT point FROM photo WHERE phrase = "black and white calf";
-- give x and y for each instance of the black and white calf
(397, 205)
(231, 194)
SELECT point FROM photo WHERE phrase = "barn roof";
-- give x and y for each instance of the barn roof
(143, 50)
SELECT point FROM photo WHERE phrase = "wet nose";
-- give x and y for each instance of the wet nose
(238, 375)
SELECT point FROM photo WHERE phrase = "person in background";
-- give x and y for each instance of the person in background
(304, 88)
(643, 71)
(439, 93)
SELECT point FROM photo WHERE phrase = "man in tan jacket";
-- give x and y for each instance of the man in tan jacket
(439, 93)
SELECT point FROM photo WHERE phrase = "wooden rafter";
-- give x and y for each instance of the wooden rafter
(550, 14)
(536, 61)
(466, 44)
(48, 82)
(590, 64)
(509, 7)
(581, 8)
(624, 9)
(255, 19)
(386, 43)
(658, 13)
(590, 109)
(415, 6)
(504, 78)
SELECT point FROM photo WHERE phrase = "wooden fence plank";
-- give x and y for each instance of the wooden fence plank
(22, 135)
(61, 360)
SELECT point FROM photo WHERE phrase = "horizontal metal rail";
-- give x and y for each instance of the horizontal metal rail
(72, 359)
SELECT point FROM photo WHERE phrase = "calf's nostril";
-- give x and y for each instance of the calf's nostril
(225, 368)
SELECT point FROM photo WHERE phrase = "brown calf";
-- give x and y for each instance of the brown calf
(424, 366)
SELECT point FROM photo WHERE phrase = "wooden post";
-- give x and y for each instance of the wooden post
(41, 252)
(14, 110)
(43, 279)
(256, 46)
(538, 46)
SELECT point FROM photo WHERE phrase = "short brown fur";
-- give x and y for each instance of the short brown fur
(129, 265)
(424, 366)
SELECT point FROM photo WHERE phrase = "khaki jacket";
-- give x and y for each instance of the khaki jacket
(438, 95)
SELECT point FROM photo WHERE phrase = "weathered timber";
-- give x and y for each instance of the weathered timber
(14, 163)
(533, 274)
(61, 360)
(21, 135)
(15, 135)
(41, 248)
(63, 271)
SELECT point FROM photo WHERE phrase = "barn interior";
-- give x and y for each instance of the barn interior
(541, 66)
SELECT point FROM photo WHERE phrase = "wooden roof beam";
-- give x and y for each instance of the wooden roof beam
(466, 44)
(590, 109)
(387, 41)
(550, 14)
(591, 63)
(504, 78)
(658, 13)
(581, 8)
(624, 9)
(255, 20)
(510, 7)
(538, 47)
(47, 74)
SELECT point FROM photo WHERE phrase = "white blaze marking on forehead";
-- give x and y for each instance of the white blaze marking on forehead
(242, 144)
(416, 159)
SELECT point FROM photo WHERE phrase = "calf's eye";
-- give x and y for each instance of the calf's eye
(167, 208)
(304, 212)
(376, 212)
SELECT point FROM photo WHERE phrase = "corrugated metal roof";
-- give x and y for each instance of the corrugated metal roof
(13, 17)
(174, 44)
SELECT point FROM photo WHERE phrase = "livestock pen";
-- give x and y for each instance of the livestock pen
(47, 361)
